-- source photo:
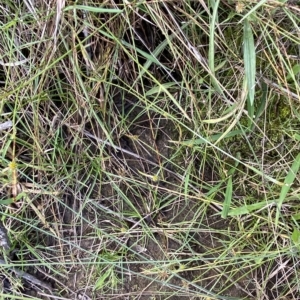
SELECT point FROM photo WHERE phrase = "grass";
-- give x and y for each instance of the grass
(149, 150)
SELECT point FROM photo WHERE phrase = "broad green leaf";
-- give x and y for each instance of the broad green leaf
(249, 60)
(7, 201)
(296, 217)
(296, 236)
(246, 209)
(296, 136)
(289, 179)
(100, 283)
(295, 70)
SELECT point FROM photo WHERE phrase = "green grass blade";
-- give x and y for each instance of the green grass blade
(262, 106)
(211, 138)
(158, 88)
(228, 197)
(289, 179)
(147, 56)
(94, 9)
(249, 61)
(253, 10)
(247, 209)
(211, 53)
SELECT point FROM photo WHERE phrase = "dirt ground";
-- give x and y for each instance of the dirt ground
(141, 280)
(88, 224)
(168, 220)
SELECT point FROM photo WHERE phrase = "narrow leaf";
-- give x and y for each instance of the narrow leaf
(228, 197)
(224, 117)
(289, 179)
(212, 43)
(249, 60)
(158, 88)
(93, 9)
(211, 138)
(101, 281)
